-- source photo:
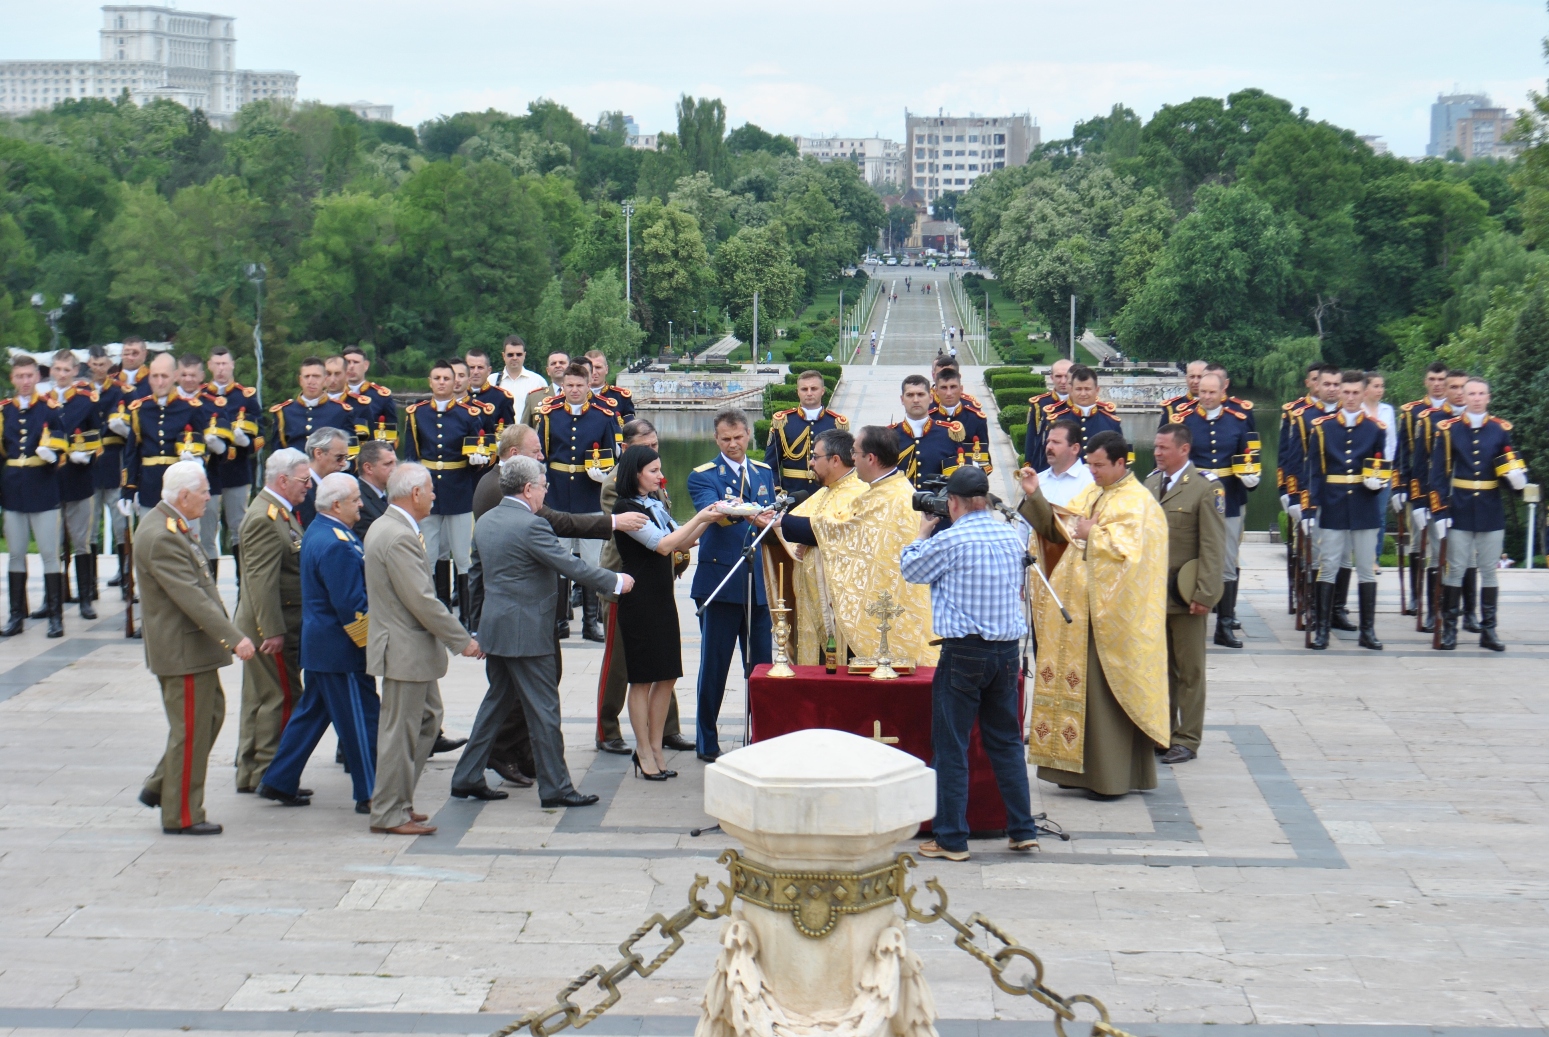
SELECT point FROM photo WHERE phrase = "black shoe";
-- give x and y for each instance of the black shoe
(1367, 595)
(677, 743)
(510, 774)
(616, 746)
(86, 584)
(670, 773)
(202, 828)
(150, 799)
(1105, 797)
(363, 806)
(708, 757)
(338, 756)
(1470, 599)
(1340, 618)
(54, 602)
(1179, 754)
(1224, 636)
(445, 744)
(479, 792)
(283, 798)
(573, 799)
(641, 772)
(1323, 609)
(593, 632)
(1450, 597)
(562, 630)
(306, 793)
(1489, 606)
(1226, 614)
(18, 620)
(1425, 622)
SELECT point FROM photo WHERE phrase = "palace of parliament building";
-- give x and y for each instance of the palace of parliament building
(154, 53)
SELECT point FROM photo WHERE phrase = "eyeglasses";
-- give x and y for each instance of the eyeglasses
(339, 457)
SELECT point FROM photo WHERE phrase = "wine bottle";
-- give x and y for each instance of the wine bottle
(831, 656)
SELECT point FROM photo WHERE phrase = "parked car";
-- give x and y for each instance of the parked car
(892, 260)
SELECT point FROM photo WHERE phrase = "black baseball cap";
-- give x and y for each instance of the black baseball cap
(968, 481)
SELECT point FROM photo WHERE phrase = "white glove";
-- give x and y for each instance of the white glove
(1309, 523)
(1517, 477)
(80, 457)
(1250, 481)
(48, 454)
(597, 475)
(1441, 528)
(1285, 503)
(1374, 482)
(479, 459)
(126, 507)
(1396, 502)
(188, 455)
(1295, 511)
(240, 438)
(1422, 516)
(214, 444)
(119, 425)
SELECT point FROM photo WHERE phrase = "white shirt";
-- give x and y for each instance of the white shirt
(575, 409)
(735, 466)
(518, 385)
(281, 501)
(1476, 420)
(1169, 481)
(413, 524)
(1061, 487)
(917, 427)
(813, 414)
(1348, 418)
(618, 584)
(1388, 417)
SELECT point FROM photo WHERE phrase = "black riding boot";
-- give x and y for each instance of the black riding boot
(1226, 611)
(118, 577)
(1450, 596)
(1341, 616)
(54, 601)
(1470, 599)
(591, 617)
(86, 584)
(215, 571)
(444, 583)
(1425, 623)
(577, 599)
(18, 588)
(1366, 594)
(562, 612)
(41, 612)
(1323, 612)
(1488, 598)
(1416, 586)
(464, 601)
(64, 567)
(236, 560)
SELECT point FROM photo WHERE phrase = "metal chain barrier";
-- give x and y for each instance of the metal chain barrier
(565, 1013)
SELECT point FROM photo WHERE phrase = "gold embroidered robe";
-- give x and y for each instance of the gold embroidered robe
(813, 614)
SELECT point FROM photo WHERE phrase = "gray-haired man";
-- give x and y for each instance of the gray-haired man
(328, 451)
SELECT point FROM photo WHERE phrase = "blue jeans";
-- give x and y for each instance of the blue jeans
(977, 680)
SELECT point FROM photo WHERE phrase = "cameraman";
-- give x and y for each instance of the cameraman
(975, 572)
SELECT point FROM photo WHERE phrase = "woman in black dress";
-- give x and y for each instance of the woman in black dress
(648, 615)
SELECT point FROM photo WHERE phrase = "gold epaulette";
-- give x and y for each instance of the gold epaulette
(1448, 422)
(135, 404)
(274, 512)
(358, 629)
(341, 534)
(707, 466)
(758, 464)
(172, 525)
(955, 431)
(841, 422)
(382, 390)
(777, 420)
(1321, 418)
(621, 391)
(279, 407)
(1502, 422)
(1242, 403)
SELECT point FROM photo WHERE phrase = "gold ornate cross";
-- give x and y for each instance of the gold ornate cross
(877, 736)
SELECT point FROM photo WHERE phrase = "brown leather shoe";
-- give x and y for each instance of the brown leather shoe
(417, 817)
(408, 828)
(510, 774)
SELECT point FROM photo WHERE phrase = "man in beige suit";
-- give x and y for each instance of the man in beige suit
(269, 612)
(409, 626)
(187, 639)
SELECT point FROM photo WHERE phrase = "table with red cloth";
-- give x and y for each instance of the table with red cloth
(856, 703)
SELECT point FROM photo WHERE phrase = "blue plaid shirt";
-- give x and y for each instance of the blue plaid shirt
(974, 569)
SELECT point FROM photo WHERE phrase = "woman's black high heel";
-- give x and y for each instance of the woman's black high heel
(641, 772)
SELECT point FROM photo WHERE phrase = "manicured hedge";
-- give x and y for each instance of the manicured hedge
(827, 370)
(1008, 381)
(991, 372)
(1016, 396)
(1018, 440)
(1013, 416)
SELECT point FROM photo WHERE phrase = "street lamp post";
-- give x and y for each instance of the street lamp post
(52, 316)
(255, 275)
(629, 210)
(669, 336)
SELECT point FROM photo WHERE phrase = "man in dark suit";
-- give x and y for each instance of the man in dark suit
(518, 558)
(374, 464)
(328, 451)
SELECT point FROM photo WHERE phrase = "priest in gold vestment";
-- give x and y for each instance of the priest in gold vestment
(859, 538)
(1100, 704)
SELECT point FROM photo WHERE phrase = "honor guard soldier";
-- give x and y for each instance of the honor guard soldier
(444, 434)
(1429, 420)
(301, 415)
(79, 415)
(581, 437)
(1173, 409)
(164, 427)
(188, 638)
(499, 406)
(927, 448)
(133, 368)
(555, 366)
(723, 621)
(1222, 449)
(217, 444)
(1238, 402)
(1038, 409)
(382, 414)
(1470, 455)
(107, 471)
(1412, 498)
(32, 443)
(793, 432)
(336, 386)
(1296, 417)
(1090, 414)
(616, 397)
(936, 367)
(231, 474)
(952, 404)
(1345, 471)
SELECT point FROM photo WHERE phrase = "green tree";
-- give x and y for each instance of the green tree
(672, 267)
(757, 259)
(702, 135)
(350, 271)
(1522, 384)
(748, 137)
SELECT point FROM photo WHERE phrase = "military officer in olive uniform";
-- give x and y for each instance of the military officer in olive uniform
(792, 433)
(188, 638)
(1195, 505)
(32, 445)
(269, 612)
(438, 430)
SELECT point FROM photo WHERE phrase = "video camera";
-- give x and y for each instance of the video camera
(931, 497)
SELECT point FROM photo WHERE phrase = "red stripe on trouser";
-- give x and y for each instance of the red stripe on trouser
(607, 664)
(187, 817)
(286, 701)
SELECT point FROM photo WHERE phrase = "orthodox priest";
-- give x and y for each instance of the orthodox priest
(1100, 695)
(859, 544)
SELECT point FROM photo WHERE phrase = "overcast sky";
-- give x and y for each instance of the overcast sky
(799, 66)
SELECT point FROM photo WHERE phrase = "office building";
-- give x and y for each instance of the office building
(1445, 113)
(948, 153)
(370, 111)
(1480, 134)
(154, 53)
(880, 161)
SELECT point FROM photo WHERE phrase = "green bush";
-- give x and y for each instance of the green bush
(827, 370)
(1013, 416)
(761, 431)
(1016, 396)
(991, 372)
(1018, 435)
(1011, 381)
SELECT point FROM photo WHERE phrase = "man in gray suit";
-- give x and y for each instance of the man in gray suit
(518, 557)
(409, 625)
